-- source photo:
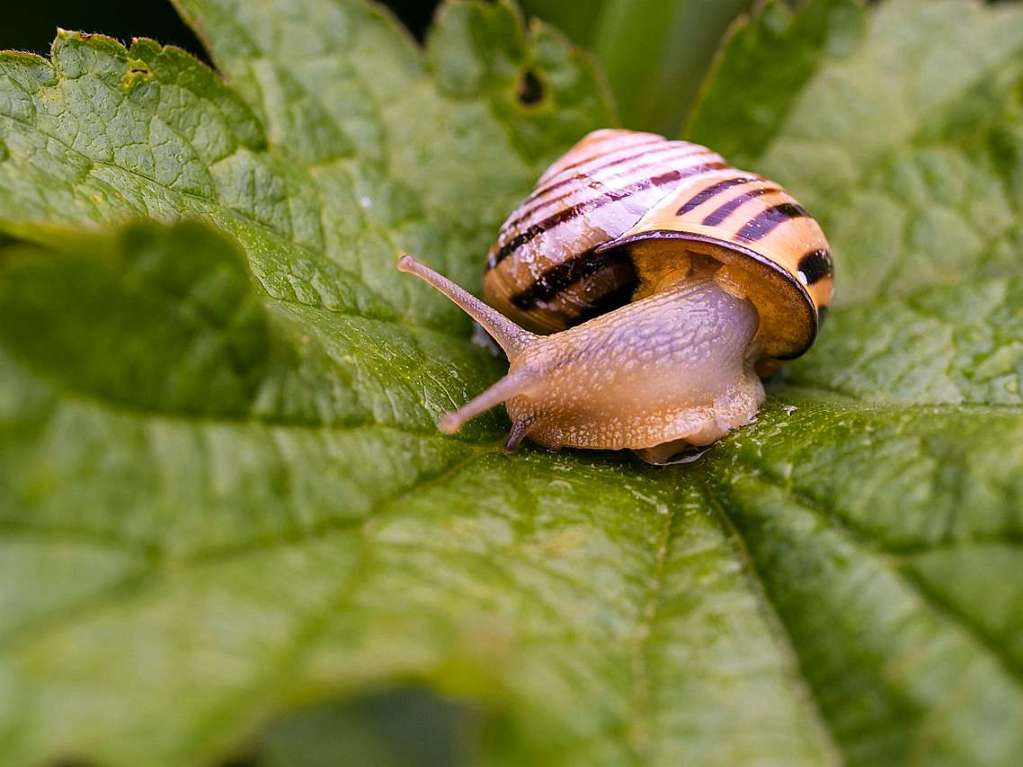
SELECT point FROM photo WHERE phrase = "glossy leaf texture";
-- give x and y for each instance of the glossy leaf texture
(222, 496)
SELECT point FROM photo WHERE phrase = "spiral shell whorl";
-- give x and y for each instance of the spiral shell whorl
(541, 271)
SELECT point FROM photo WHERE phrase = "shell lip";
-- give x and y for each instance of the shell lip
(759, 258)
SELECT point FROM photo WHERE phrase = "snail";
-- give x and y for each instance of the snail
(640, 292)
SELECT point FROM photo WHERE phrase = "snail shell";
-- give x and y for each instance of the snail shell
(617, 209)
(664, 277)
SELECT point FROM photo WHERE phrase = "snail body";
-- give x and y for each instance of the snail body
(638, 291)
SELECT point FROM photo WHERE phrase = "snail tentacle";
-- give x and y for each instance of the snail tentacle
(508, 335)
(512, 385)
(519, 431)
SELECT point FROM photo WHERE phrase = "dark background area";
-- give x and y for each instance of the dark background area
(31, 26)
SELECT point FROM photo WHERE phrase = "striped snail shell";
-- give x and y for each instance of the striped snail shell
(638, 290)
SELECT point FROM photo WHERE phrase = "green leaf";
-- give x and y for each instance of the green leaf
(190, 297)
(655, 52)
(223, 499)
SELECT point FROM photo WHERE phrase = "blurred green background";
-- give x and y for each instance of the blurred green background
(655, 52)
(31, 26)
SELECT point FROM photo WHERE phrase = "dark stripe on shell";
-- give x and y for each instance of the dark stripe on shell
(594, 203)
(719, 214)
(643, 145)
(815, 265)
(595, 184)
(566, 274)
(765, 222)
(712, 191)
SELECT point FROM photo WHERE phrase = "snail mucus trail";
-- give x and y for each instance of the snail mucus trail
(724, 275)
